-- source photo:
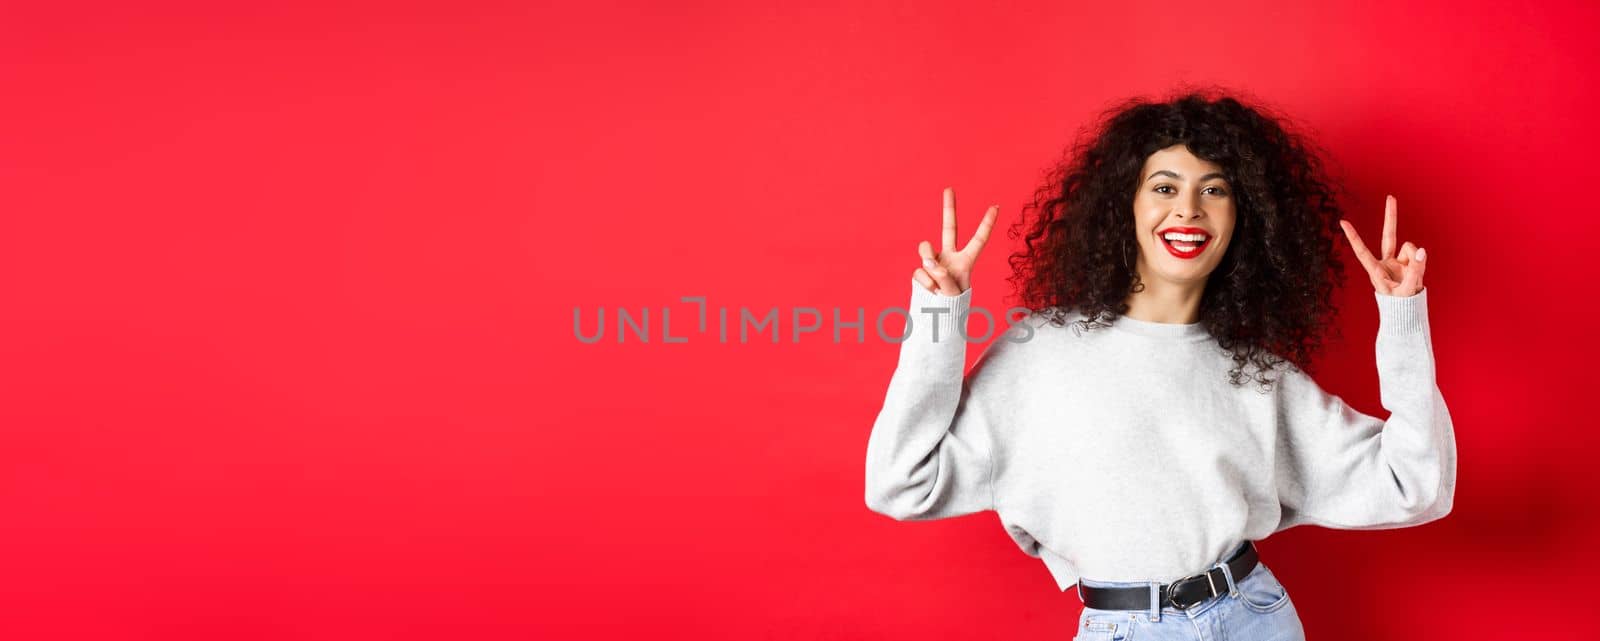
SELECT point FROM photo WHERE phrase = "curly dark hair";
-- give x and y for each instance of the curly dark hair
(1271, 297)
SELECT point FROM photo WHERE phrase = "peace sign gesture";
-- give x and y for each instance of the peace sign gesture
(1395, 275)
(950, 271)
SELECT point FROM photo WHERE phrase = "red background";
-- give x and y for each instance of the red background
(289, 350)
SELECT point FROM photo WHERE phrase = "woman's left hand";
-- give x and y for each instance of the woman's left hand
(1393, 274)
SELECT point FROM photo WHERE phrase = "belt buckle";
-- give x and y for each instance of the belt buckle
(1172, 589)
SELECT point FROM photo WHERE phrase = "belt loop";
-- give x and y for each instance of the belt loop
(1233, 588)
(1155, 600)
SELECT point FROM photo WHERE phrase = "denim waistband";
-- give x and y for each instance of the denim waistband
(1153, 586)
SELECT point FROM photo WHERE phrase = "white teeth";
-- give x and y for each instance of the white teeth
(1188, 237)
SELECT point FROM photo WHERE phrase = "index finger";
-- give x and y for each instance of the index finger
(1367, 259)
(1389, 223)
(949, 235)
(982, 235)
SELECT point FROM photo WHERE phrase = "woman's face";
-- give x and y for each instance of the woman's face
(1183, 217)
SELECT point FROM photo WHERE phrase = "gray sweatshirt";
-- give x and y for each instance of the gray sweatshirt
(1123, 454)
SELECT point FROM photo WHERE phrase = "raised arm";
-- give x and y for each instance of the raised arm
(1348, 470)
(928, 455)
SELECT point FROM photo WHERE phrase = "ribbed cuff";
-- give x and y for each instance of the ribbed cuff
(1400, 314)
(948, 310)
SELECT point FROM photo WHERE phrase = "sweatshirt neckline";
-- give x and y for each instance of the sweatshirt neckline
(1152, 329)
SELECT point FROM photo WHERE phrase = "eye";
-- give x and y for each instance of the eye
(1161, 187)
(1220, 191)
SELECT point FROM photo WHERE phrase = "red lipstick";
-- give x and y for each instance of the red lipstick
(1185, 249)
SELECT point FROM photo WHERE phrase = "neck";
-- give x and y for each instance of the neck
(1166, 302)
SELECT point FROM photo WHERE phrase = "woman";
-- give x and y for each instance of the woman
(1151, 416)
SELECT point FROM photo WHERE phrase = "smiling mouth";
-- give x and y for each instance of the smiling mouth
(1185, 245)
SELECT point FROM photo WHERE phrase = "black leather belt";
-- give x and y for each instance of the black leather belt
(1182, 594)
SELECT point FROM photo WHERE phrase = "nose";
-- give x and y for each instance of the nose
(1188, 210)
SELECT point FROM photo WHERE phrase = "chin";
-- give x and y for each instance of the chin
(1186, 276)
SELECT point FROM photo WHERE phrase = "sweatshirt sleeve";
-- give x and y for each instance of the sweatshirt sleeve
(1346, 470)
(929, 453)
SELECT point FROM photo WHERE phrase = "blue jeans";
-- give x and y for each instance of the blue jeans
(1255, 608)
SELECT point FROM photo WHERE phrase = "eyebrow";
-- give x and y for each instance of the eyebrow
(1175, 175)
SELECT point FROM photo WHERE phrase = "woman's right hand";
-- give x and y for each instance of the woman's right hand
(949, 272)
